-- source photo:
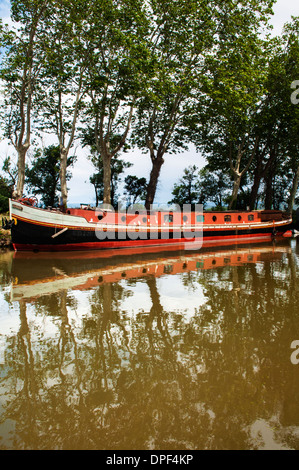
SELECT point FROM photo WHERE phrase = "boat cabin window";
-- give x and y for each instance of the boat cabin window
(200, 218)
(168, 269)
(185, 218)
(239, 217)
(144, 220)
(251, 217)
(214, 218)
(100, 216)
(227, 218)
(168, 218)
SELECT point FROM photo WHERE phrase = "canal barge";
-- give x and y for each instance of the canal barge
(36, 229)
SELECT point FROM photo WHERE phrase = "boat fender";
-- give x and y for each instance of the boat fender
(4, 223)
(8, 224)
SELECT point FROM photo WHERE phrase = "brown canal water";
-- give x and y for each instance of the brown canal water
(166, 350)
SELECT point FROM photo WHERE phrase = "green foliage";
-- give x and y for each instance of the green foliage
(277, 124)
(187, 190)
(5, 194)
(136, 189)
(42, 178)
(201, 187)
(215, 187)
(10, 171)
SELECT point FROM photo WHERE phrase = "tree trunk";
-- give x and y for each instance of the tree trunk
(153, 181)
(18, 191)
(268, 178)
(96, 194)
(269, 174)
(268, 192)
(63, 183)
(258, 174)
(254, 192)
(293, 191)
(107, 179)
(236, 169)
(236, 187)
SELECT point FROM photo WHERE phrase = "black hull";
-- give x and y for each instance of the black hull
(35, 237)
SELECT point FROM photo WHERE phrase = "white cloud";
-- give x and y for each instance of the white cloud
(283, 11)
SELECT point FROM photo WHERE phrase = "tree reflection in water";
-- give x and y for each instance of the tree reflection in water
(217, 376)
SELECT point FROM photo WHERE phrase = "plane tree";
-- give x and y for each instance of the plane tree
(194, 45)
(291, 68)
(19, 73)
(65, 47)
(180, 33)
(274, 171)
(250, 127)
(114, 77)
(227, 133)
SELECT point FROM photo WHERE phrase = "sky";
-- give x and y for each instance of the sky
(80, 189)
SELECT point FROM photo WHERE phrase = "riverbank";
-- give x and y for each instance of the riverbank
(5, 237)
(5, 240)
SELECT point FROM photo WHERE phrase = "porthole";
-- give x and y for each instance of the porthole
(185, 218)
(144, 220)
(214, 218)
(239, 218)
(123, 219)
(168, 218)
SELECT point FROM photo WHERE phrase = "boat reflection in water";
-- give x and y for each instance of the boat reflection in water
(45, 273)
(160, 350)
